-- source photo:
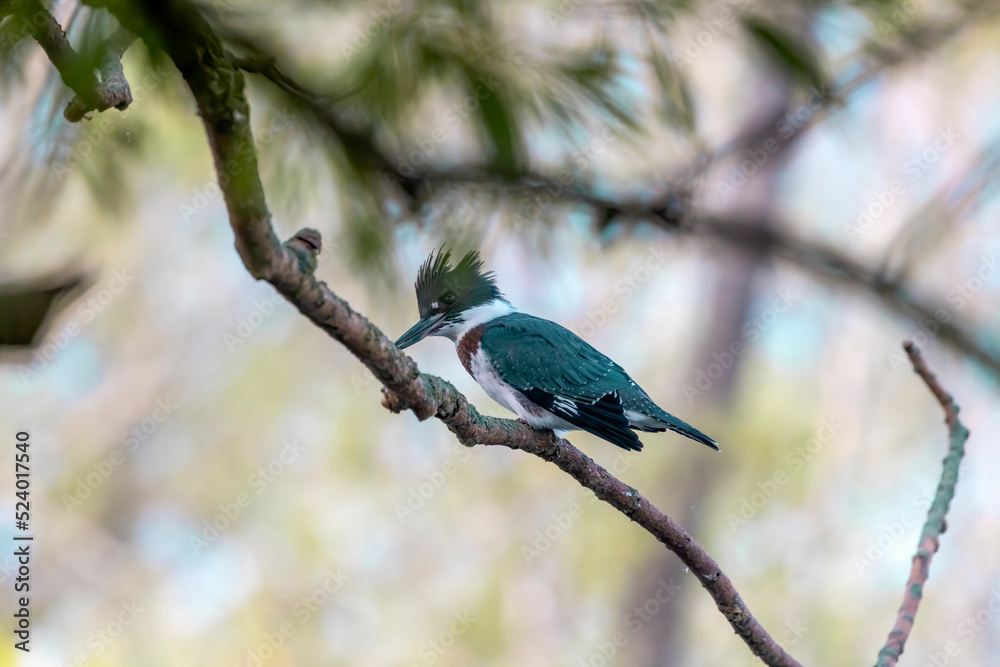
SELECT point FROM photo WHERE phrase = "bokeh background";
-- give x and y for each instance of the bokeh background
(216, 483)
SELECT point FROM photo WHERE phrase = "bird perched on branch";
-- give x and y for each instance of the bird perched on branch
(547, 375)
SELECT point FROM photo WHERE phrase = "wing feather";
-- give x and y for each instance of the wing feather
(559, 371)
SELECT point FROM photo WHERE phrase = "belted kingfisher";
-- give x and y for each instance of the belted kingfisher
(546, 374)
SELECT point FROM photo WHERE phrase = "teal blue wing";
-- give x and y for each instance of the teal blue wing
(559, 371)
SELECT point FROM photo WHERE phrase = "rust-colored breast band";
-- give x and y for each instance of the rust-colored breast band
(469, 345)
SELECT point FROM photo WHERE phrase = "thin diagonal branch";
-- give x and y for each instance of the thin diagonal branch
(77, 72)
(935, 524)
(217, 85)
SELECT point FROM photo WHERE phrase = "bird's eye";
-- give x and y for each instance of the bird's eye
(449, 298)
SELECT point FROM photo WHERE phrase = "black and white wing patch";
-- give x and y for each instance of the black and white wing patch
(604, 418)
(560, 372)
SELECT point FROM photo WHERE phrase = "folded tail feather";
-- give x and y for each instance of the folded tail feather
(662, 423)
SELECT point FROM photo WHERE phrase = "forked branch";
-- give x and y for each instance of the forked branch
(76, 71)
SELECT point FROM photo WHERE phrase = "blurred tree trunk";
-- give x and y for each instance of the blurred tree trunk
(737, 273)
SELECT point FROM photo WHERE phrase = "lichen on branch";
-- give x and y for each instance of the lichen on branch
(935, 524)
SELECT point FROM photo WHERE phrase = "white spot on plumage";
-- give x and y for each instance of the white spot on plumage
(565, 404)
(642, 419)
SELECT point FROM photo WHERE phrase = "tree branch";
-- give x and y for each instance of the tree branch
(217, 85)
(92, 94)
(667, 210)
(833, 266)
(935, 524)
(113, 83)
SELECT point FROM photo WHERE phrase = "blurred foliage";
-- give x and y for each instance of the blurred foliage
(373, 125)
(402, 64)
(403, 57)
(787, 49)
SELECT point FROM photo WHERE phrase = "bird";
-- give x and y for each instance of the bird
(539, 370)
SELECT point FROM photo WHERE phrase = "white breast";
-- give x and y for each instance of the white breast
(484, 374)
(489, 380)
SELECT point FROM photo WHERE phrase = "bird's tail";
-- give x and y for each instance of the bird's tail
(645, 415)
(685, 429)
(664, 421)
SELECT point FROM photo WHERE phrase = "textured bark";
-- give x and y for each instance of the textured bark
(112, 90)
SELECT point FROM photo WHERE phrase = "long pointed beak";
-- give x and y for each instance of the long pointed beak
(419, 331)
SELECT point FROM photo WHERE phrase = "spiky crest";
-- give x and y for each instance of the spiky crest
(466, 283)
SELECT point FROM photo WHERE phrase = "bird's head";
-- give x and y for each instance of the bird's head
(445, 295)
